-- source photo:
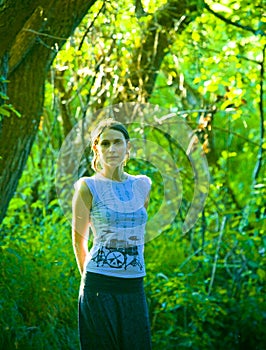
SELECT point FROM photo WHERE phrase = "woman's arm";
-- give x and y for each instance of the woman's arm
(147, 200)
(81, 205)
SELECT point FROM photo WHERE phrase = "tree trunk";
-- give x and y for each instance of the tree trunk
(155, 45)
(38, 33)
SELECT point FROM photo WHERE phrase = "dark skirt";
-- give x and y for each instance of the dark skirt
(113, 314)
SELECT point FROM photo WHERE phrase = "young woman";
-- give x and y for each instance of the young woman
(113, 313)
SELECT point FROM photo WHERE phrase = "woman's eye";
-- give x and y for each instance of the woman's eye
(107, 143)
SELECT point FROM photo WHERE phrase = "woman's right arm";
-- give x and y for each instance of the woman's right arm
(81, 206)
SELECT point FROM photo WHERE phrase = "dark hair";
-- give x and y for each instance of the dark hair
(96, 133)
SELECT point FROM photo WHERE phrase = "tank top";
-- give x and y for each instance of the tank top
(117, 220)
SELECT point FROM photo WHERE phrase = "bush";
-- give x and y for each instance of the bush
(39, 285)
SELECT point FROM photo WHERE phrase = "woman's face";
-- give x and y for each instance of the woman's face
(112, 148)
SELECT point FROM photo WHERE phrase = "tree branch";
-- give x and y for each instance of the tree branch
(25, 39)
(149, 56)
(260, 152)
(217, 254)
(236, 24)
(90, 26)
(26, 87)
(13, 15)
(139, 10)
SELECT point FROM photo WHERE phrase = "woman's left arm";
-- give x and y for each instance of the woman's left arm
(147, 200)
(81, 205)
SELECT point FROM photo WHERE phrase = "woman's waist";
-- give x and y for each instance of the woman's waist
(97, 282)
(117, 261)
(114, 245)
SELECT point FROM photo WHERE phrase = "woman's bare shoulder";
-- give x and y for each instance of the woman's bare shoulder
(82, 188)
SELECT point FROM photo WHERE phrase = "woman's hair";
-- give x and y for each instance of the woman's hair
(96, 133)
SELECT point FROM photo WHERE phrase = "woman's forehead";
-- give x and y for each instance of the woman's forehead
(110, 134)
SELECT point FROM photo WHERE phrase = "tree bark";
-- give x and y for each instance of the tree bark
(149, 56)
(13, 15)
(31, 40)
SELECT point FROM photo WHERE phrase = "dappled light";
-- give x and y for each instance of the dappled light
(188, 80)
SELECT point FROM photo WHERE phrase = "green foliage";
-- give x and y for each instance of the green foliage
(39, 282)
(206, 289)
(191, 304)
(38, 303)
(6, 109)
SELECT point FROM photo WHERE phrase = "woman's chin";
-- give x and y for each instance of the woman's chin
(113, 164)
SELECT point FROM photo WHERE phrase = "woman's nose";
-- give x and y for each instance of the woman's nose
(112, 147)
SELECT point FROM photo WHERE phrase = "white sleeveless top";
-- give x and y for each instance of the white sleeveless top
(118, 219)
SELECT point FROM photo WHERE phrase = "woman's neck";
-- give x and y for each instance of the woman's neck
(117, 174)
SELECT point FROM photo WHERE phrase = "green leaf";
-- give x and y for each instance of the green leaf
(4, 111)
(3, 96)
